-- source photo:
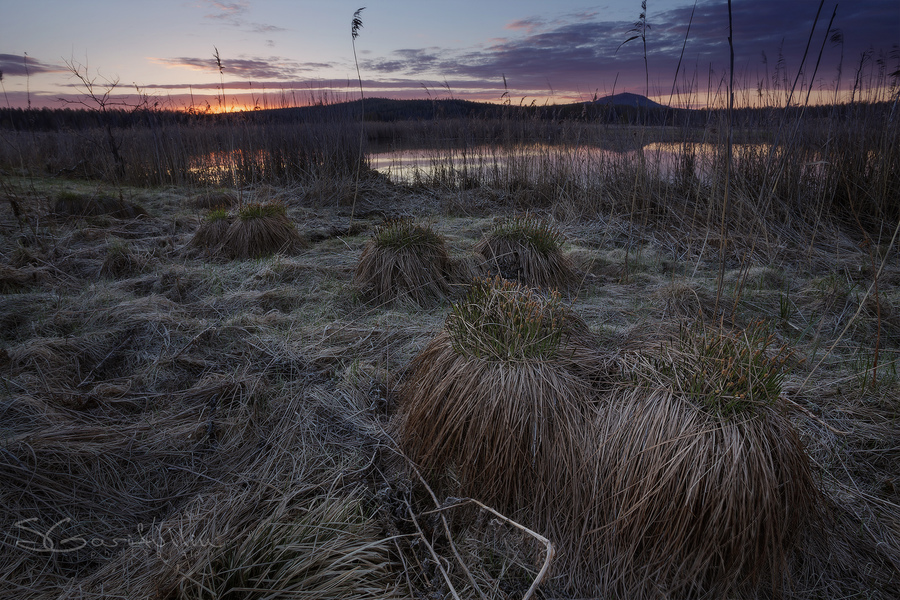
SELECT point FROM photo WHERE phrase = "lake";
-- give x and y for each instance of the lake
(580, 162)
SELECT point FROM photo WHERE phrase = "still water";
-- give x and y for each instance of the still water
(487, 162)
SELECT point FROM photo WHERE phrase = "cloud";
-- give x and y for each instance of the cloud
(13, 65)
(252, 68)
(583, 51)
(563, 53)
(227, 10)
(529, 24)
(261, 28)
(235, 14)
(409, 61)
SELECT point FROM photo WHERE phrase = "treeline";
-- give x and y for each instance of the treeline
(377, 110)
(384, 110)
(59, 119)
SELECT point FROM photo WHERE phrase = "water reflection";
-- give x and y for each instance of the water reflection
(485, 162)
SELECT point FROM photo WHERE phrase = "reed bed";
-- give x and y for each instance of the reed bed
(231, 152)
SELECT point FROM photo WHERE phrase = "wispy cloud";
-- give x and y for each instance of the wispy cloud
(226, 10)
(528, 25)
(252, 68)
(236, 14)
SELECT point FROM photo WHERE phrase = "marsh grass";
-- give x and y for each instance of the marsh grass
(121, 260)
(330, 547)
(725, 373)
(258, 230)
(72, 205)
(502, 320)
(204, 405)
(15, 280)
(692, 504)
(213, 199)
(212, 229)
(703, 483)
(405, 261)
(528, 249)
(499, 405)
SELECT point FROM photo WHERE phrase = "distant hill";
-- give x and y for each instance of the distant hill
(627, 99)
(622, 108)
(387, 109)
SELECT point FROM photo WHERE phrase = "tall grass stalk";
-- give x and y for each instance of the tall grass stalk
(355, 25)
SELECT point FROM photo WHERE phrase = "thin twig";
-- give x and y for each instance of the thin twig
(434, 555)
(551, 552)
(447, 531)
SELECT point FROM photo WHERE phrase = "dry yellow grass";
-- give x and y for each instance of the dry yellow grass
(258, 229)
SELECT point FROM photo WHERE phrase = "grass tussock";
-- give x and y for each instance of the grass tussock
(212, 229)
(218, 198)
(724, 373)
(501, 320)
(679, 300)
(689, 503)
(505, 427)
(527, 249)
(404, 261)
(258, 230)
(703, 483)
(121, 260)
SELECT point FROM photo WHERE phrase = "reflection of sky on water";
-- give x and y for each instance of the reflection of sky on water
(661, 158)
(491, 164)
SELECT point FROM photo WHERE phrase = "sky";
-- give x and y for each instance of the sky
(276, 53)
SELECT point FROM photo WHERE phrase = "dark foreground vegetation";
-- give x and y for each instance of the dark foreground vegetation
(238, 363)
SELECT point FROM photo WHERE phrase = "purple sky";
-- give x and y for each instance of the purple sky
(292, 52)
